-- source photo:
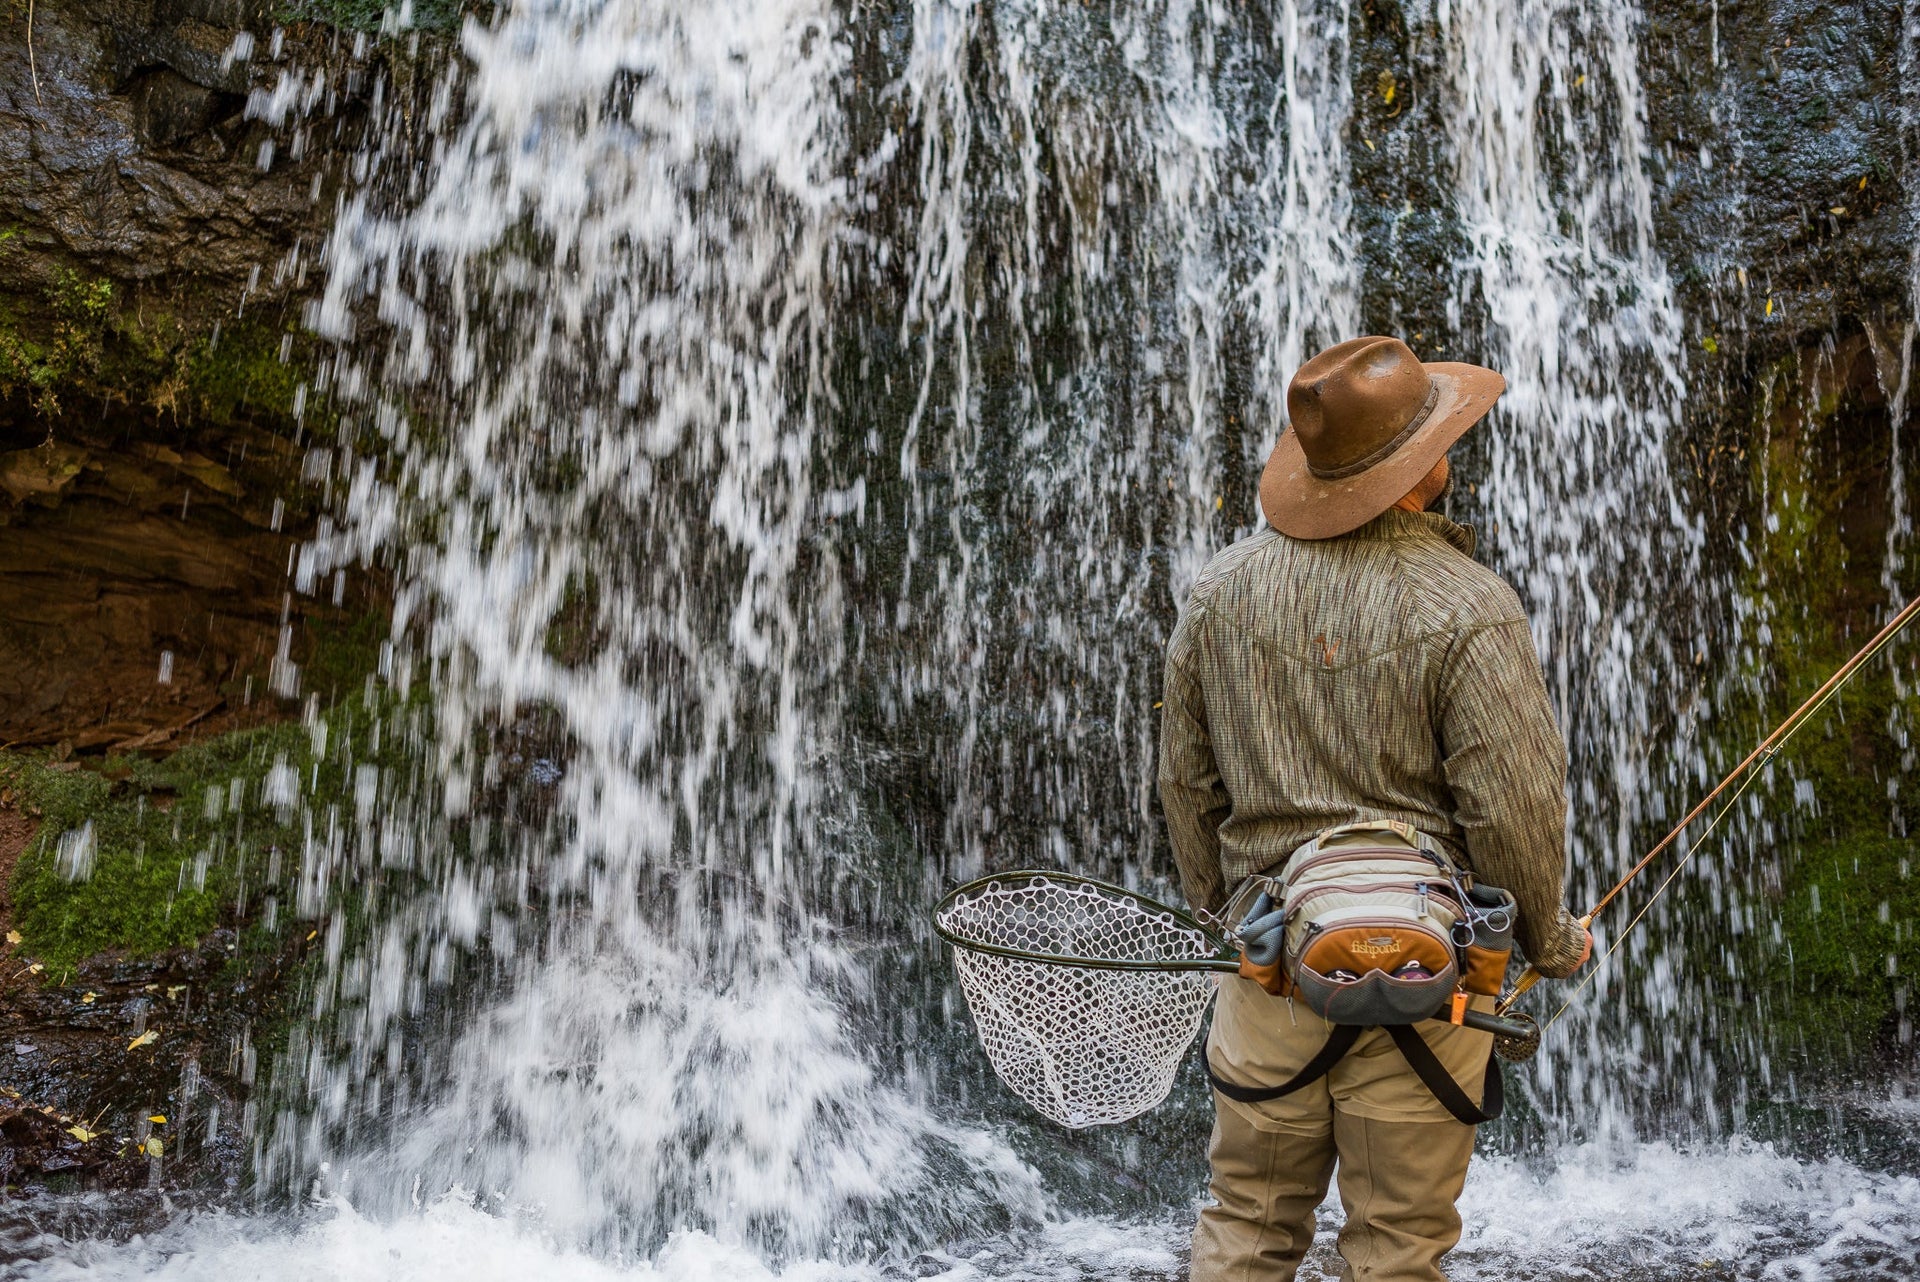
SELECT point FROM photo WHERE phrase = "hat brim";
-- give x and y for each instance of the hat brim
(1305, 506)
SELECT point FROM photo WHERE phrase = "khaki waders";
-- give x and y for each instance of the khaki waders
(1401, 1157)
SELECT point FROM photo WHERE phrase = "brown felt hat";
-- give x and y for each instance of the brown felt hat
(1368, 421)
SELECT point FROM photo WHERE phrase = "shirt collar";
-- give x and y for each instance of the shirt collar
(1397, 524)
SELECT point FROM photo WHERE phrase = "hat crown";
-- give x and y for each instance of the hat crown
(1351, 404)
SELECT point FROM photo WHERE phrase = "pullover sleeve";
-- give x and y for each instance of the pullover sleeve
(1506, 765)
(1191, 794)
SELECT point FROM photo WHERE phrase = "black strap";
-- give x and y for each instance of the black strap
(1339, 1042)
(1413, 1048)
(1427, 1066)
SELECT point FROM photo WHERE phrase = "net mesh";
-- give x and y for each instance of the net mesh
(1084, 1046)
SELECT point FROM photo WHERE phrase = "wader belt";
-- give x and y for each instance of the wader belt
(1413, 1047)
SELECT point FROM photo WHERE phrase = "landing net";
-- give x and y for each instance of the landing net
(1086, 996)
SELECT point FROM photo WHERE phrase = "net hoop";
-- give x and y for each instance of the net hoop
(1085, 996)
(946, 925)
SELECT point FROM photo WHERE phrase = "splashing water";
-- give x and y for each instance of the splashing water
(614, 292)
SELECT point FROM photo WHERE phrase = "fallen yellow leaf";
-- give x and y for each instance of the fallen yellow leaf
(175, 991)
(82, 1134)
(89, 998)
(158, 1119)
(1579, 80)
(1769, 307)
(13, 937)
(1368, 142)
(154, 1147)
(147, 1038)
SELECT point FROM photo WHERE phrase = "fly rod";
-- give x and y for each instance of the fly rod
(1768, 747)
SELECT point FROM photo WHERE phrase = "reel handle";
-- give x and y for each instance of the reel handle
(1498, 1025)
(1516, 1038)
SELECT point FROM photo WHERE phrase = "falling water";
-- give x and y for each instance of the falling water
(1582, 514)
(616, 293)
(792, 428)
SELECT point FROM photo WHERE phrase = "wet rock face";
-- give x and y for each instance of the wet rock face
(143, 586)
(1782, 200)
(150, 1063)
(125, 152)
(154, 239)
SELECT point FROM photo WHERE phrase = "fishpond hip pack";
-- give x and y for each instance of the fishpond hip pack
(1374, 924)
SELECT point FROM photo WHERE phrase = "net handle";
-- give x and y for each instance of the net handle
(1222, 962)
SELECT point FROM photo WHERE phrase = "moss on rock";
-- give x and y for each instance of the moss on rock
(1832, 861)
(1848, 916)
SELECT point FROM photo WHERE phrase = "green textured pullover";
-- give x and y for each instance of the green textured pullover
(1383, 674)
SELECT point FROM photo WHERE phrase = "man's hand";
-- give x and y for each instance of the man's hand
(1586, 954)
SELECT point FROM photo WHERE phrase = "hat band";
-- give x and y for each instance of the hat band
(1380, 455)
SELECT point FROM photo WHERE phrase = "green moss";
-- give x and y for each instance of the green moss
(241, 374)
(1832, 967)
(168, 856)
(171, 849)
(1848, 917)
(341, 653)
(70, 350)
(79, 338)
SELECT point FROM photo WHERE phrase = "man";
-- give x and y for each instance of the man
(1351, 663)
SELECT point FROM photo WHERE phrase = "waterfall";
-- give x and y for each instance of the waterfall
(615, 292)
(1022, 336)
(1581, 511)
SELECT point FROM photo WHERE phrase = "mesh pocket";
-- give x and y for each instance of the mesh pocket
(1375, 998)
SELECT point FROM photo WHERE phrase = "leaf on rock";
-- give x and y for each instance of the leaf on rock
(82, 1134)
(147, 1038)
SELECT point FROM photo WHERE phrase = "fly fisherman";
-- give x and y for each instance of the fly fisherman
(1352, 664)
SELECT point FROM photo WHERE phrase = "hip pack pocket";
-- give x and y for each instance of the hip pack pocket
(1490, 911)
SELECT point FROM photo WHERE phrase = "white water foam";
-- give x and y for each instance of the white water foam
(1649, 1213)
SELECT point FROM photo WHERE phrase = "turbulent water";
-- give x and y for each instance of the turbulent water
(792, 427)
